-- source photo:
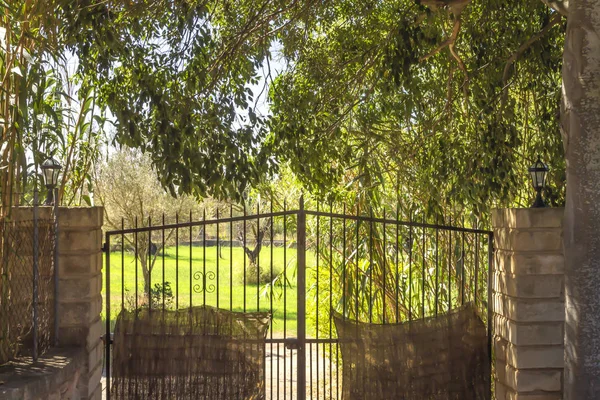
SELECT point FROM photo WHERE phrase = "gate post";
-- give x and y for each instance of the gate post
(301, 304)
(528, 303)
(80, 300)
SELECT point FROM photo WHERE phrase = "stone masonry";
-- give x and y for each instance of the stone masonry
(80, 285)
(528, 303)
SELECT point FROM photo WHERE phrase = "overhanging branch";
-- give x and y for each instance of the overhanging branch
(445, 43)
(553, 21)
(450, 43)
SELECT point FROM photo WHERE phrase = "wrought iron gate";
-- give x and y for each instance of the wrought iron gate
(298, 265)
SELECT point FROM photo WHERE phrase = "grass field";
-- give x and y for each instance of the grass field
(224, 283)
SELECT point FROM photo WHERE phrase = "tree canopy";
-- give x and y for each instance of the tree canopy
(453, 98)
(456, 101)
(448, 100)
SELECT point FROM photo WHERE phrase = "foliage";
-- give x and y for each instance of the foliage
(162, 295)
(192, 110)
(372, 90)
(396, 96)
(42, 113)
(372, 93)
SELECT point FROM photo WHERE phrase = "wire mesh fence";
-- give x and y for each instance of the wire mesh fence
(26, 291)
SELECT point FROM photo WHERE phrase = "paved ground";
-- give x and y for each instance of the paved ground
(281, 373)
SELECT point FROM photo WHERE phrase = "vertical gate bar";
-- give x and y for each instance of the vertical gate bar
(476, 266)
(122, 274)
(489, 302)
(357, 262)
(462, 266)
(398, 249)
(259, 247)
(163, 261)
(278, 372)
(301, 304)
(318, 252)
(271, 294)
(218, 256)
(107, 339)
(410, 250)
(437, 268)
(357, 269)
(297, 383)
(324, 371)
(230, 257)
(122, 264)
(398, 252)
(177, 261)
(310, 346)
(330, 288)
(344, 298)
(35, 274)
(450, 266)
(244, 255)
(371, 303)
(56, 272)
(384, 264)
(284, 300)
(204, 256)
(163, 246)
(337, 370)
(271, 266)
(149, 261)
(135, 239)
(191, 254)
(423, 269)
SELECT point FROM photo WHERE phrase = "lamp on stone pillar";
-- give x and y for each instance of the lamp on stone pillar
(538, 173)
(50, 169)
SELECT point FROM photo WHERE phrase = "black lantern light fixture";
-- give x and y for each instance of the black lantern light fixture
(50, 169)
(538, 173)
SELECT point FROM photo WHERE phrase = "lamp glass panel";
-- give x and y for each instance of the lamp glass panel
(49, 176)
(540, 178)
(533, 178)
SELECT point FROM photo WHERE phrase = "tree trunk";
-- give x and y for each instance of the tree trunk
(581, 134)
(145, 273)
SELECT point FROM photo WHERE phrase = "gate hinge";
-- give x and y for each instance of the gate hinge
(105, 248)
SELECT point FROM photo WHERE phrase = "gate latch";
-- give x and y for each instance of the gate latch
(292, 344)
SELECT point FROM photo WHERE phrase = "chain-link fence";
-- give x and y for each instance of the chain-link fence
(23, 326)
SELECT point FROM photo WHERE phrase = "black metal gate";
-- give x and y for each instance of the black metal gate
(298, 265)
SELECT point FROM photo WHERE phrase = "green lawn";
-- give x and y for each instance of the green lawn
(226, 287)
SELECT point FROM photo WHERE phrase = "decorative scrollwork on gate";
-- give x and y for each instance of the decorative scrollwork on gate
(204, 285)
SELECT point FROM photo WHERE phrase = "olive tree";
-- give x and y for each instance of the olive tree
(132, 196)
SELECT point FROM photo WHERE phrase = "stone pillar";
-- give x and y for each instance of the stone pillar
(528, 303)
(80, 285)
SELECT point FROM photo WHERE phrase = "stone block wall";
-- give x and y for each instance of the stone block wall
(528, 303)
(80, 285)
(54, 376)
